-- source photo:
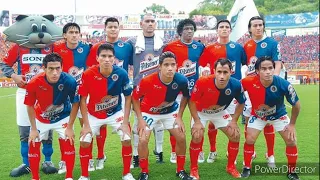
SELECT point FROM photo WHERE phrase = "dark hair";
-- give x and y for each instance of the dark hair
(70, 25)
(222, 62)
(111, 19)
(224, 20)
(184, 22)
(167, 54)
(52, 57)
(256, 18)
(106, 47)
(264, 58)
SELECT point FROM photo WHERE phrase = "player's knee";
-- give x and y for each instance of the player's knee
(250, 139)
(196, 139)
(143, 141)
(181, 138)
(290, 142)
(84, 144)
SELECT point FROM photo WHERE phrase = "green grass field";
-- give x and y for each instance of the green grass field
(307, 129)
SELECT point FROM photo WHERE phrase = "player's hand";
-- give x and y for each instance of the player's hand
(142, 124)
(84, 131)
(234, 129)
(291, 132)
(19, 80)
(197, 130)
(33, 135)
(69, 135)
(125, 130)
(180, 124)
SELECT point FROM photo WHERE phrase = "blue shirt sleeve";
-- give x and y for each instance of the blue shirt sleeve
(291, 94)
(126, 87)
(239, 96)
(73, 92)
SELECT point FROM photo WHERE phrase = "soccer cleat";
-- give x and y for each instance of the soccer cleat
(62, 167)
(135, 162)
(91, 165)
(69, 179)
(100, 162)
(183, 175)
(84, 178)
(270, 161)
(212, 157)
(143, 176)
(21, 170)
(194, 174)
(128, 177)
(47, 167)
(173, 157)
(233, 172)
(293, 176)
(246, 172)
(201, 157)
(159, 157)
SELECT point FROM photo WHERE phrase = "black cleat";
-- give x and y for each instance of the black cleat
(159, 157)
(245, 172)
(47, 167)
(135, 162)
(20, 171)
(183, 175)
(293, 176)
(143, 176)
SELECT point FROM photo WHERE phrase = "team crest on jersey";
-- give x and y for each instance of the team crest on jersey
(118, 62)
(265, 110)
(80, 50)
(174, 86)
(264, 45)
(120, 44)
(228, 91)
(60, 87)
(47, 49)
(214, 109)
(52, 112)
(115, 77)
(149, 62)
(194, 46)
(76, 73)
(188, 68)
(106, 103)
(232, 45)
(273, 88)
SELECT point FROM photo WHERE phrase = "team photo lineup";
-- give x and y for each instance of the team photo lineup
(141, 87)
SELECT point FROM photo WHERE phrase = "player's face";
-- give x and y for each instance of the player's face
(222, 74)
(53, 71)
(112, 29)
(224, 29)
(257, 28)
(72, 36)
(148, 24)
(106, 59)
(187, 32)
(266, 71)
(168, 67)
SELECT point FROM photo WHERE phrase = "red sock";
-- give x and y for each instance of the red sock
(233, 149)
(69, 157)
(194, 151)
(181, 160)
(269, 136)
(85, 154)
(212, 134)
(126, 159)
(144, 165)
(173, 143)
(247, 154)
(245, 130)
(101, 139)
(34, 159)
(292, 156)
(201, 143)
(61, 143)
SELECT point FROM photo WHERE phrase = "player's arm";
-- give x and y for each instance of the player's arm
(276, 56)
(74, 99)
(126, 90)
(197, 128)
(240, 97)
(293, 99)
(83, 93)
(137, 94)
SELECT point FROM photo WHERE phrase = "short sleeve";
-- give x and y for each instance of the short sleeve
(140, 90)
(84, 84)
(126, 88)
(30, 97)
(291, 94)
(73, 93)
(197, 90)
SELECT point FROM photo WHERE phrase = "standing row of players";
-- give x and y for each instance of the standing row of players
(158, 62)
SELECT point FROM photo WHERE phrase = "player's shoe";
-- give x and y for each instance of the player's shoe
(246, 172)
(183, 175)
(21, 170)
(201, 157)
(100, 162)
(47, 167)
(68, 179)
(91, 165)
(233, 172)
(212, 157)
(62, 167)
(173, 157)
(159, 157)
(135, 162)
(128, 177)
(270, 161)
(84, 178)
(143, 176)
(293, 176)
(194, 174)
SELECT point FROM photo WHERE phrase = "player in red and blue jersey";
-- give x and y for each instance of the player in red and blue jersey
(162, 108)
(187, 52)
(52, 104)
(209, 101)
(259, 46)
(267, 92)
(104, 84)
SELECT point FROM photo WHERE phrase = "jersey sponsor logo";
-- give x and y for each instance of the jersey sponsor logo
(162, 106)
(76, 73)
(150, 62)
(118, 62)
(188, 68)
(43, 88)
(174, 86)
(52, 112)
(232, 45)
(273, 88)
(264, 45)
(265, 110)
(194, 46)
(97, 78)
(60, 87)
(107, 102)
(114, 77)
(120, 44)
(63, 51)
(228, 91)
(157, 86)
(252, 62)
(80, 50)
(32, 58)
(214, 109)
(33, 70)
(292, 93)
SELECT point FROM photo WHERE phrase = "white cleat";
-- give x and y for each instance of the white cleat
(69, 179)
(62, 167)
(84, 178)
(91, 165)
(201, 157)
(271, 161)
(212, 157)
(128, 177)
(100, 163)
(173, 158)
